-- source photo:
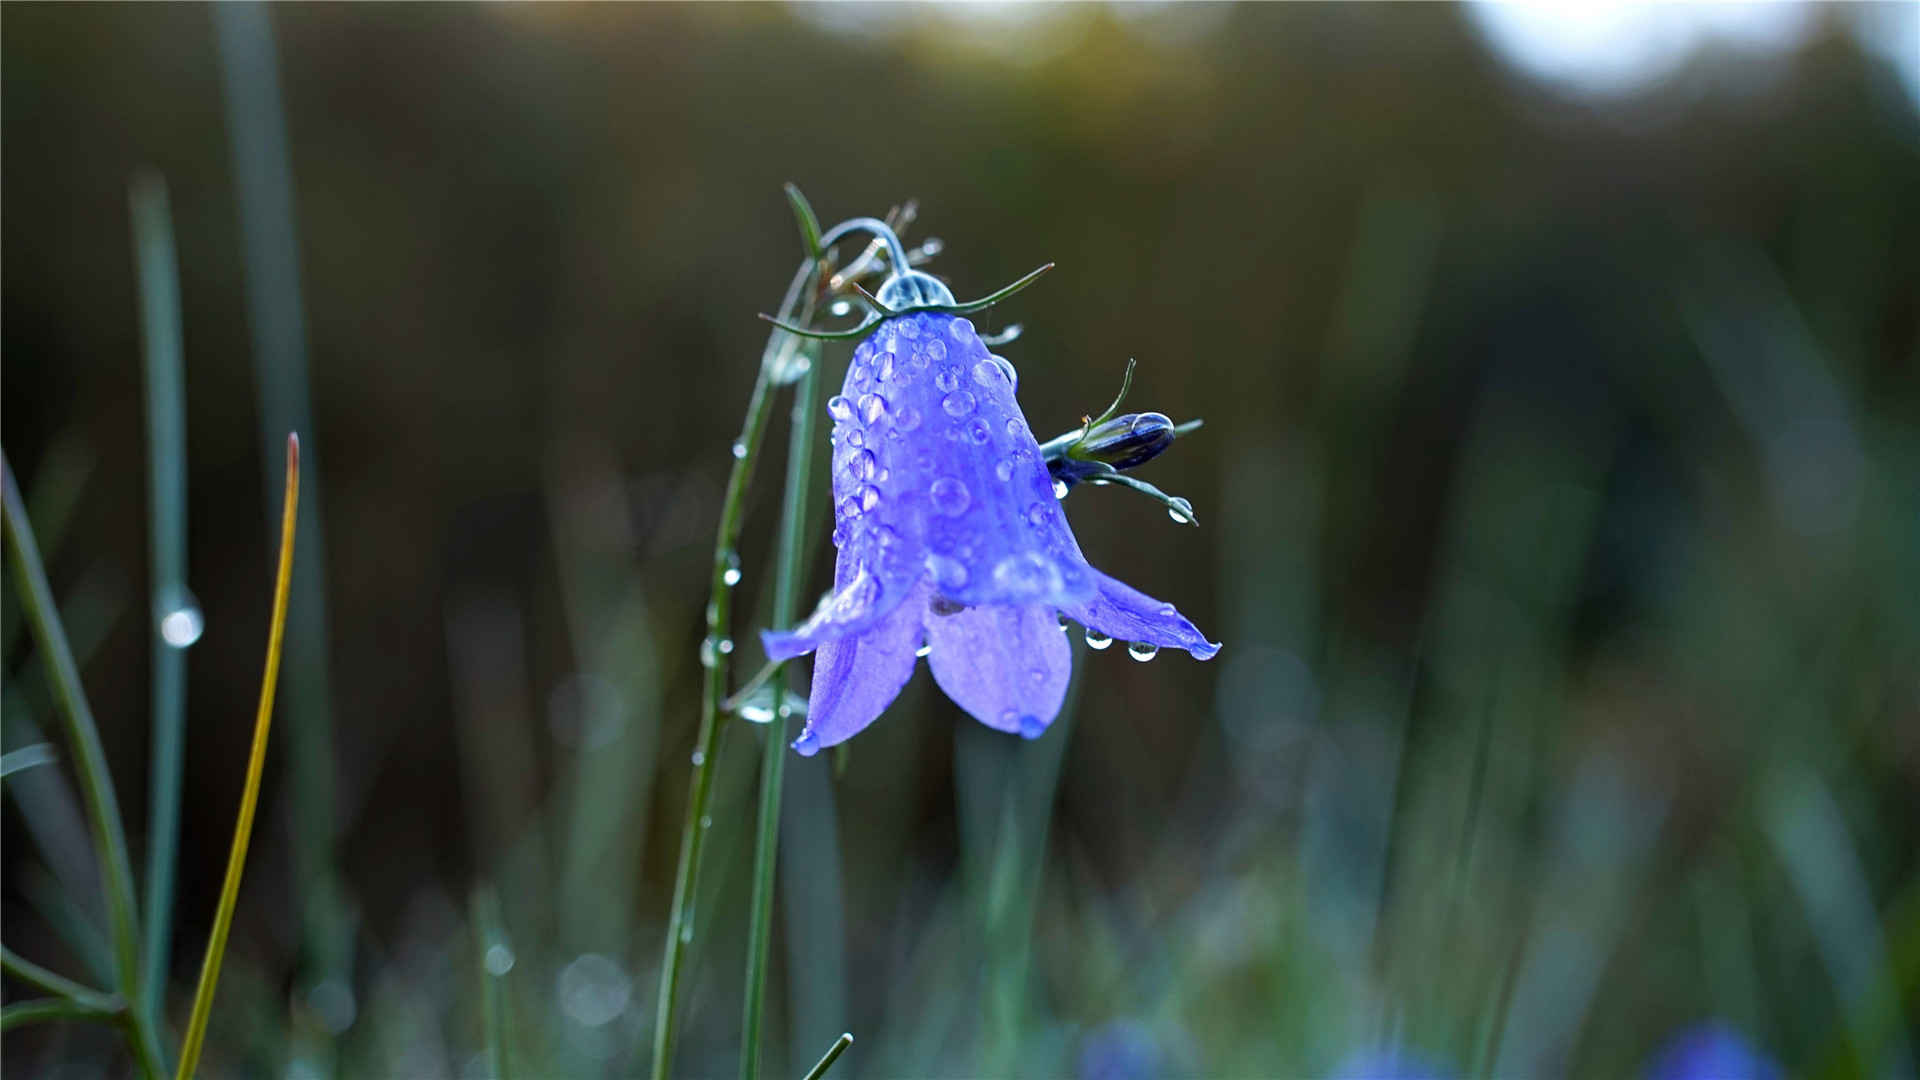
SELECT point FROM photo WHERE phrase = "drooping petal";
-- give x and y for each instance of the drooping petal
(963, 466)
(1121, 611)
(1006, 665)
(864, 594)
(856, 677)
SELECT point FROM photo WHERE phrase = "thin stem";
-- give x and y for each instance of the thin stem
(51, 981)
(96, 783)
(41, 1010)
(27, 757)
(167, 559)
(250, 794)
(786, 589)
(832, 1055)
(680, 926)
(489, 936)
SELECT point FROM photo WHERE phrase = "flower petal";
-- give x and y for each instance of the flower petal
(1006, 665)
(856, 677)
(1119, 610)
(871, 577)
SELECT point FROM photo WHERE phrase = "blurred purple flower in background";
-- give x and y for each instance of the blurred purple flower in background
(1714, 1050)
(1122, 1050)
(952, 544)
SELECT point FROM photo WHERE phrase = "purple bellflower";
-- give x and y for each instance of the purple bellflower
(952, 543)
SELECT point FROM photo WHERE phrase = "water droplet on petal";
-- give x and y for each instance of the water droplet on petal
(1037, 514)
(936, 349)
(947, 379)
(807, 745)
(849, 508)
(1027, 575)
(739, 450)
(869, 497)
(978, 431)
(1063, 624)
(731, 575)
(1032, 727)
(958, 404)
(1143, 651)
(950, 496)
(872, 407)
(907, 419)
(960, 330)
(856, 437)
(1004, 469)
(1097, 640)
(1014, 426)
(989, 374)
(924, 649)
(860, 466)
(909, 328)
(889, 371)
(1059, 488)
(840, 408)
(948, 572)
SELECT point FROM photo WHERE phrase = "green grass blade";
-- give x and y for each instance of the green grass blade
(175, 620)
(250, 794)
(103, 807)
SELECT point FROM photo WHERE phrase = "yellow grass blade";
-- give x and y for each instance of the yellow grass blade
(250, 796)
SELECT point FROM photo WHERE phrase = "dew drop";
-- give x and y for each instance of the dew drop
(860, 466)
(709, 652)
(840, 408)
(731, 575)
(948, 572)
(909, 328)
(872, 408)
(1027, 575)
(960, 330)
(499, 959)
(978, 431)
(1032, 727)
(936, 350)
(1036, 514)
(756, 711)
(947, 379)
(1004, 469)
(1063, 624)
(924, 649)
(182, 624)
(1059, 488)
(950, 496)
(988, 373)
(1096, 640)
(1143, 651)
(856, 437)
(869, 497)
(889, 370)
(739, 450)
(907, 419)
(1014, 426)
(686, 934)
(699, 759)
(807, 745)
(958, 404)
(849, 508)
(1180, 510)
(725, 646)
(841, 308)
(706, 821)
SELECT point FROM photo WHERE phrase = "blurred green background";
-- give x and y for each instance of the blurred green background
(1557, 495)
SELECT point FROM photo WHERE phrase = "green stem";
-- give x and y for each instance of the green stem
(41, 1010)
(832, 1055)
(489, 936)
(51, 981)
(103, 809)
(167, 551)
(693, 832)
(786, 588)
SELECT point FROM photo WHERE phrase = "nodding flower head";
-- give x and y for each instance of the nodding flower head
(952, 544)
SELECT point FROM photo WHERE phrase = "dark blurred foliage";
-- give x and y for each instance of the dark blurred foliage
(1558, 475)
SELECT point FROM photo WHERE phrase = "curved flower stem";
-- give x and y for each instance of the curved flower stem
(799, 301)
(96, 783)
(41, 1010)
(51, 981)
(786, 587)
